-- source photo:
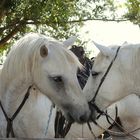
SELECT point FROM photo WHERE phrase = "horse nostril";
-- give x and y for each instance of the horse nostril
(83, 118)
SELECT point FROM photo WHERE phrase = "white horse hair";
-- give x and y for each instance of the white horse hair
(120, 88)
(51, 68)
(38, 102)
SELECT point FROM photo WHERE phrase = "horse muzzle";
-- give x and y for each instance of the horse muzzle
(75, 114)
(93, 111)
(79, 119)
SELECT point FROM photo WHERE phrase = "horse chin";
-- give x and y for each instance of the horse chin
(69, 118)
(92, 117)
(93, 114)
(71, 114)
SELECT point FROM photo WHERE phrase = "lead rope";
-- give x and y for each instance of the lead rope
(124, 133)
(48, 122)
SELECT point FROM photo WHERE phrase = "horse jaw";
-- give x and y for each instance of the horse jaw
(106, 51)
(70, 41)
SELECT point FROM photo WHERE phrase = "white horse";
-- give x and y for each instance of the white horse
(47, 115)
(120, 87)
(51, 69)
(46, 123)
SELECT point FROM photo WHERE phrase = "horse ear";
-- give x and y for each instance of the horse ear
(43, 51)
(103, 49)
(69, 41)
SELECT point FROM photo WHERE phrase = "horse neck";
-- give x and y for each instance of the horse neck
(135, 88)
(132, 77)
(12, 92)
(131, 74)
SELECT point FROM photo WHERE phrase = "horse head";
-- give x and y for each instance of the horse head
(115, 82)
(52, 68)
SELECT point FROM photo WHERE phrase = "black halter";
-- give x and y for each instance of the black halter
(93, 105)
(92, 102)
(10, 120)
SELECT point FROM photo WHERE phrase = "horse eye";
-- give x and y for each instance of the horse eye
(57, 79)
(94, 73)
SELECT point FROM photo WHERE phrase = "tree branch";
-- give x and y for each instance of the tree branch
(68, 22)
(8, 37)
(2, 3)
(28, 22)
(76, 21)
(99, 19)
(14, 23)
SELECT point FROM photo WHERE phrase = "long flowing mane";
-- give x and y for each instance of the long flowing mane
(23, 58)
(50, 69)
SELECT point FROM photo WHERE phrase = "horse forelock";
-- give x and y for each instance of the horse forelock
(69, 55)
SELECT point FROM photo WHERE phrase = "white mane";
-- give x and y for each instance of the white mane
(51, 68)
(26, 50)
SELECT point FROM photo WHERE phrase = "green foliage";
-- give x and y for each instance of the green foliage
(57, 18)
(133, 14)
